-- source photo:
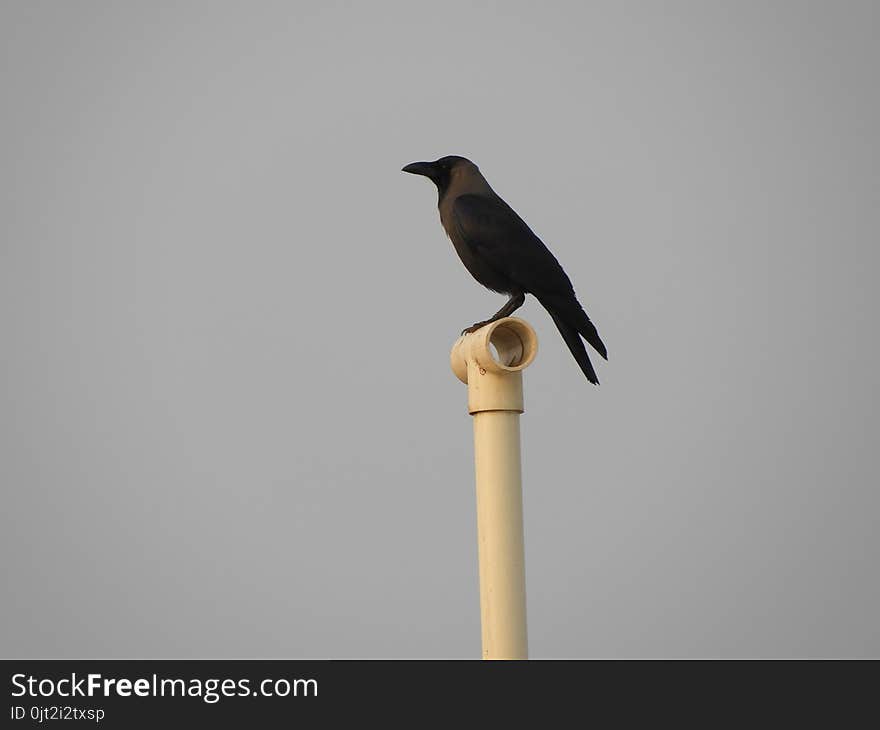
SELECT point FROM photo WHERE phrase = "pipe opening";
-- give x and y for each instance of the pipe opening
(512, 345)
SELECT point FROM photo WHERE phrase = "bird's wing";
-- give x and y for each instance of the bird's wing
(501, 239)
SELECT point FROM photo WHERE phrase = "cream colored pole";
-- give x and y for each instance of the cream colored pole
(495, 400)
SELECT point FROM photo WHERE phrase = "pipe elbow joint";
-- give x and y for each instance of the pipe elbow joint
(491, 360)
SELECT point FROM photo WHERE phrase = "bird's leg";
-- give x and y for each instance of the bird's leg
(515, 302)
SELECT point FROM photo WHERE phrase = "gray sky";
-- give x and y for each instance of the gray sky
(228, 426)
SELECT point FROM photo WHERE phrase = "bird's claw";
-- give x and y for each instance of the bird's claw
(473, 328)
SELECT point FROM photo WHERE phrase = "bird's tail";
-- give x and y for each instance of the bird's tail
(573, 323)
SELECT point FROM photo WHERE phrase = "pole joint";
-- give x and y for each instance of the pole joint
(490, 362)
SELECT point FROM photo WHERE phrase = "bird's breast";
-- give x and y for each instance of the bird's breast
(478, 267)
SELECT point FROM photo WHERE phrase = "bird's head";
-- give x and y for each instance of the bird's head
(441, 172)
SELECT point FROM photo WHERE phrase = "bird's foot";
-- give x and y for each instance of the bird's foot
(474, 327)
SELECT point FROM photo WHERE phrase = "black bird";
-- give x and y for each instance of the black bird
(503, 254)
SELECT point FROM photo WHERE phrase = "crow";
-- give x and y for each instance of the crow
(501, 253)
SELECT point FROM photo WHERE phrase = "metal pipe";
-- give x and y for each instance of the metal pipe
(490, 361)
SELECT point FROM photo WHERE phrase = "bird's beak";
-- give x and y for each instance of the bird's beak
(420, 168)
